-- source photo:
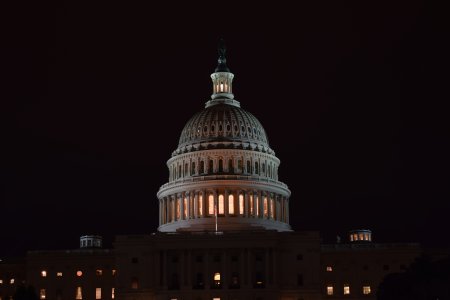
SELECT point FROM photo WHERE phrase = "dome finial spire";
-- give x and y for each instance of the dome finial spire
(222, 60)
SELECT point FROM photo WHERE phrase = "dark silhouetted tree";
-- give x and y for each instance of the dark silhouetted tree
(424, 280)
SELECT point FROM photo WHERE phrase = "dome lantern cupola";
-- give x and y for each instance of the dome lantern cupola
(222, 80)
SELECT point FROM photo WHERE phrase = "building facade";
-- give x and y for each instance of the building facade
(223, 232)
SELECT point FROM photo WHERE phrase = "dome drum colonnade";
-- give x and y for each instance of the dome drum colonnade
(223, 167)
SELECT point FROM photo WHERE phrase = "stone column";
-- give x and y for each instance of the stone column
(246, 204)
(196, 204)
(225, 204)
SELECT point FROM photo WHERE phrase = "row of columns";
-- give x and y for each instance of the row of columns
(197, 204)
(193, 168)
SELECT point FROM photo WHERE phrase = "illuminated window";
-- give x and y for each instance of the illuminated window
(216, 298)
(265, 206)
(241, 204)
(113, 291)
(178, 211)
(329, 290)
(79, 273)
(221, 204)
(42, 294)
(185, 208)
(1, 281)
(329, 269)
(272, 208)
(79, 293)
(98, 293)
(231, 204)
(11, 281)
(217, 279)
(251, 204)
(366, 290)
(58, 274)
(134, 283)
(43, 273)
(211, 205)
(346, 289)
(257, 205)
(200, 205)
(113, 272)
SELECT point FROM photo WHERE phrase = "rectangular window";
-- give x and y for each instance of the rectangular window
(329, 290)
(251, 204)
(58, 274)
(42, 294)
(185, 208)
(43, 273)
(113, 291)
(98, 272)
(11, 281)
(113, 272)
(329, 269)
(231, 204)
(241, 204)
(346, 289)
(366, 290)
(211, 205)
(178, 212)
(79, 293)
(257, 205)
(1, 281)
(200, 205)
(98, 293)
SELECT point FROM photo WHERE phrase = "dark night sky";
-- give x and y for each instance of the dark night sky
(94, 99)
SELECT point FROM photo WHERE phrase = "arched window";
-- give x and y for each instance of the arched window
(211, 205)
(211, 167)
(221, 204)
(231, 204)
(202, 167)
(220, 165)
(193, 168)
(266, 209)
(240, 166)
(200, 205)
(186, 167)
(230, 166)
(241, 204)
(178, 208)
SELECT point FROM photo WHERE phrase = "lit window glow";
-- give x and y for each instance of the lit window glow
(211, 205)
(58, 274)
(1, 281)
(79, 293)
(98, 272)
(216, 276)
(43, 273)
(329, 269)
(251, 204)
(200, 205)
(265, 206)
(231, 204)
(346, 289)
(221, 205)
(98, 293)
(11, 281)
(113, 291)
(113, 272)
(241, 204)
(79, 273)
(42, 294)
(330, 290)
(366, 290)
(185, 208)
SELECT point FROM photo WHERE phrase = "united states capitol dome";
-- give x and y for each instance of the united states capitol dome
(222, 125)
(223, 176)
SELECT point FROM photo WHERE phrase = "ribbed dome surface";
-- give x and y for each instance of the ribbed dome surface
(224, 124)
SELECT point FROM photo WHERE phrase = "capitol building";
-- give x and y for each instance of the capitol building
(223, 232)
